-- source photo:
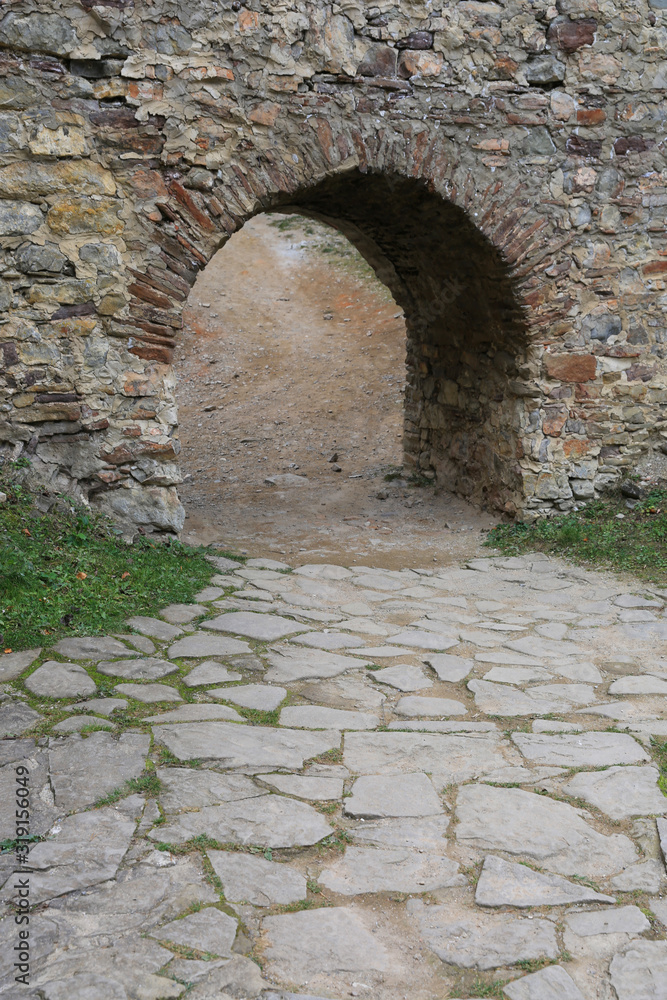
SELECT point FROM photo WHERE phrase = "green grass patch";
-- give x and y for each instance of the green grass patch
(68, 572)
(596, 536)
(148, 784)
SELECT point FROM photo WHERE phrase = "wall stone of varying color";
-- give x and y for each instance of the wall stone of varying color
(501, 165)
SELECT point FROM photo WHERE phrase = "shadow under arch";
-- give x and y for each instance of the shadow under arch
(467, 332)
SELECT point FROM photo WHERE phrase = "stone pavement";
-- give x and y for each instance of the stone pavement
(328, 782)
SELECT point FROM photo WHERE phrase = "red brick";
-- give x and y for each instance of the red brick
(570, 367)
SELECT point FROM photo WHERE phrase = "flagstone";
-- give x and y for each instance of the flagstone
(403, 676)
(315, 787)
(245, 746)
(377, 796)
(286, 665)
(414, 706)
(12, 665)
(147, 669)
(60, 680)
(200, 644)
(476, 940)
(550, 983)
(210, 930)
(265, 627)
(620, 792)
(154, 627)
(101, 648)
(580, 749)
(367, 869)
(552, 834)
(506, 883)
(320, 717)
(149, 693)
(247, 878)
(210, 672)
(196, 712)
(261, 697)
(449, 667)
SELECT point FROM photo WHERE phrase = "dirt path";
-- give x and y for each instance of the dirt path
(294, 353)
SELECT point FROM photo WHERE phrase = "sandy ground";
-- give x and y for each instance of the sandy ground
(292, 353)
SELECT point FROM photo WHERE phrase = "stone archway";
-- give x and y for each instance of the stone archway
(145, 138)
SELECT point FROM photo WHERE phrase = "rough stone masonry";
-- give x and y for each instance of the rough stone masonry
(501, 165)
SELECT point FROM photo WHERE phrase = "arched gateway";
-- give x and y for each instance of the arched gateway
(500, 166)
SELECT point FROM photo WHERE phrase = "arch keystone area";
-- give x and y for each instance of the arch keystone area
(505, 180)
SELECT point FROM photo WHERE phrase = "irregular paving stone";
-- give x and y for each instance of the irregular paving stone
(621, 920)
(429, 726)
(235, 977)
(160, 888)
(501, 699)
(245, 746)
(646, 876)
(287, 665)
(256, 626)
(183, 788)
(224, 563)
(209, 930)
(182, 614)
(534, 646)
(13, 664)
(249, 879)
(551, 833)
(377, 797)
(140, 642)
(192, 970)
(506, 883)
(101, 706)
(211, 593)
(517, 675)
(473, 940)
(323, 571)
(200, 644)
(659, 908)
(349, 691)
(510, 659)
(424, 640)
(661, 824)
(316, 787)
(196, 713)
(450, 758)
(384, 652)
(17, 717)
(126, 970)
(631, 601)
(639, 971)
(318, 717)
(261, 697)
(580, 749)
(148, 669)
(554, 726)
(329, 640)
(154, 627)
(414, 706)
(91, 648)
(424, 834)
(79, 722)
(367, 869)
(210, 672)
(550, 983)
(629, 711)
(620, 791)
(60, 680)
(149, 693)
(449, 667)
(85, 849)
(404, 677)
(639, 685)
(268, 820)
(301, 946)
(85, 770)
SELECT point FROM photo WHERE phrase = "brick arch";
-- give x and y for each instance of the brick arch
(455, 254)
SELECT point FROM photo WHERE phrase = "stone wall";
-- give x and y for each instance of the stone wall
(501, 165)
